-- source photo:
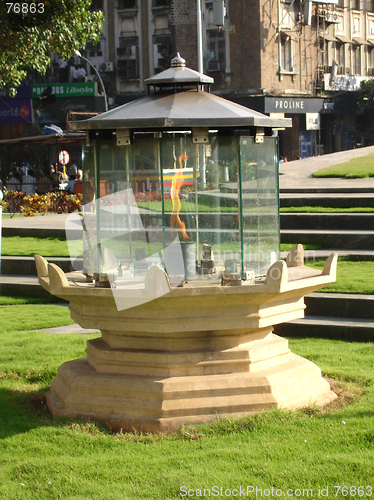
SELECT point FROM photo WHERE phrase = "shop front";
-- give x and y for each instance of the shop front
(319, 125)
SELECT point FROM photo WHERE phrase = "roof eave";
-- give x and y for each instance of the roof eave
(183, 123)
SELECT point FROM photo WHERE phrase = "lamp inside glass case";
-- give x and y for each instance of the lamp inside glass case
(213, 192)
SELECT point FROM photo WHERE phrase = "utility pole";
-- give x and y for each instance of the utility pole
(200, 68)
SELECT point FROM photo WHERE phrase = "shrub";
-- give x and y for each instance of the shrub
(57, 202)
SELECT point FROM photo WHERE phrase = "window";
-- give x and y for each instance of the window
(216, 59)
(161, 3)
(94, 50)
(356, 59)
(340, 57)
(356, 25)
(286, 18)
(161, 23)
(340, 25)
(162, 48)
(286, 53)
(96, 5)
(128, 26)
(128, 69)
(127, 58)
(127, 4)
(370, 26)
(371, 61)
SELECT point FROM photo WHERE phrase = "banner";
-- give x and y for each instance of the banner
(80, 89)
(15, 111)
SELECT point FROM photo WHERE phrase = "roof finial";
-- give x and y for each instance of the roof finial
(178, 61)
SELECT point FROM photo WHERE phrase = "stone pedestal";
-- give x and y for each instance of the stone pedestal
(192, 355)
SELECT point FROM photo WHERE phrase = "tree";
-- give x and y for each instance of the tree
(365, 111)
(30, 31)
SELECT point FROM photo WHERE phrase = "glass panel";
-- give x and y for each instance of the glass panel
(123, 215)
(260, 208)
(160, 192)
(201, 203)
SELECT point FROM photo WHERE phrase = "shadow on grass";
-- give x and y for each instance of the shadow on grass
(22, 411)
(16, 416)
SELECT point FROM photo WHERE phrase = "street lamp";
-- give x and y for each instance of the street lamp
(78, 54)
(1, 215)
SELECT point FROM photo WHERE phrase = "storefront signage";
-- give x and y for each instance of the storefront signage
(312, 121)
(23, 92)
(84, 89)
(292, 105)
(15, 112)
(306, 144)
(56, 112)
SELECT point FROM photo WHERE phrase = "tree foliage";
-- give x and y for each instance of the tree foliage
(31, 30)
(365, 111)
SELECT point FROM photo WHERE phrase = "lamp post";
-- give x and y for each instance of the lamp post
(78, 54)
(200, 67)
(1, 216)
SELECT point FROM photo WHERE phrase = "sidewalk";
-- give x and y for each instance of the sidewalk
(298, 174)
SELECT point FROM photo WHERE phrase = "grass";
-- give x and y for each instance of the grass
(49, 458)
(356, 168)
(352, 276)
(327, 210)
(27, 246)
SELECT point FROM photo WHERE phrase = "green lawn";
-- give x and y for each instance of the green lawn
(327, 210)
(355, 168)
(352, 276)
(46, 458)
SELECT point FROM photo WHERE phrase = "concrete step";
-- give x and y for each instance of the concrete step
(25, 266)
(36, 232)
(18, 285)
(349, 239)
(336, 200)
(344, 305)
(351, 329)
(327, 190)
(327, 222)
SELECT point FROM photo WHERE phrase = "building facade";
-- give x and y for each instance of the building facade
(287, 58)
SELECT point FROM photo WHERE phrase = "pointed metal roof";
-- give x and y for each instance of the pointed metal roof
(169, 108)
(184, 110)
(178, 74)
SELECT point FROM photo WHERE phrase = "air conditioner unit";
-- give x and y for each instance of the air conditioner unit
(332, 17)
(107, 67)
(347, 71)
(215, 66)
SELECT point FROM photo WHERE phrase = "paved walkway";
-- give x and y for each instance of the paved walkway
(298, 174)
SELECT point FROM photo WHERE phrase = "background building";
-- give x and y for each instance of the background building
(292, 58)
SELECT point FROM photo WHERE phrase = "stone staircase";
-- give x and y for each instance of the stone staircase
(348, 317)
(343, 231)
(19, 277)
(337, 316)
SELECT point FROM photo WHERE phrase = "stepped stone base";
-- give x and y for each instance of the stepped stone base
(190, 355)
(150, 404)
